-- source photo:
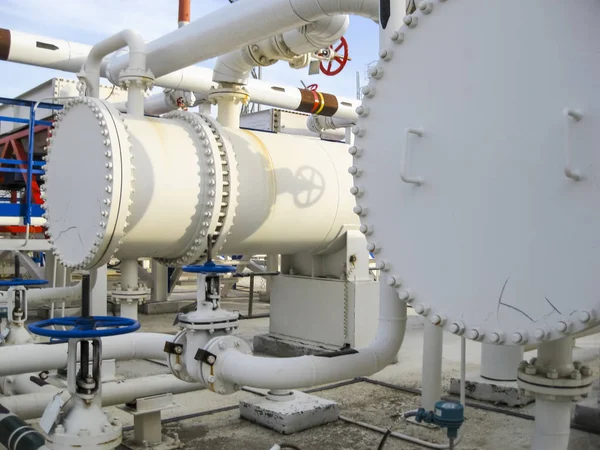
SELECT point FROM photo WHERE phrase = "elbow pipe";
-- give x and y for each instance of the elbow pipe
(300, 372)
(38, 357)
(323, 124)
(244, 22)
(235, 67)
(15, 430)
(90, 73)
(136, 78)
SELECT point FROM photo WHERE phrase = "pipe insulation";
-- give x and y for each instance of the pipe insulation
(31, 406)
(240, 23)
(235, 67)
(16, 434)
(42, 51)
(253, 192)
(38, 357)
(292, 373)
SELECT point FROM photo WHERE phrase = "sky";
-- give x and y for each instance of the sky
(89, 21)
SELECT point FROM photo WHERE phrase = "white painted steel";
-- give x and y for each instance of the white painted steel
(293, 193)
(35, 358)
(85, 234)
(284, 183)
(431, 372)
(31, 406)
(500, 362)
(245, 22)
(497, 243)
(235, 67)
(192, 79)
(552, 424)
(289, 373)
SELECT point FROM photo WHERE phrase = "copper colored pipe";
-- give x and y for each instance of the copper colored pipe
(4, 44)
(184, 12)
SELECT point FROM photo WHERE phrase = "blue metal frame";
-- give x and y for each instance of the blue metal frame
(31, 210)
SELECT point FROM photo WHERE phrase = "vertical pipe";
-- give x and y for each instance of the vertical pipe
(184, 13)
(30, 165)
(135, 99)
(557, 355)
(500, 362)
(251, 296)
(99, 291)
(229, 110)
(160, 276)
(552, 424)
(431, 377)
(463, 372)
(129, 274)
(86, 304)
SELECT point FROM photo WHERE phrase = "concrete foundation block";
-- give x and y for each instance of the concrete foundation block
(170, 306)
(286, 417)
(498, 392)
(587, 413)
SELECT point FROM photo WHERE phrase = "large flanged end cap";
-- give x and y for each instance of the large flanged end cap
(88, 183)
(476, 166)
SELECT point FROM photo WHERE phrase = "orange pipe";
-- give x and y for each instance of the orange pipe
(184, 11)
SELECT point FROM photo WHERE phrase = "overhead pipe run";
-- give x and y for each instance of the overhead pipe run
(42, 51)
(244, 22)
(293, 46)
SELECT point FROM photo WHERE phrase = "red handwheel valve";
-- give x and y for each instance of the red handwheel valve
(328, 68)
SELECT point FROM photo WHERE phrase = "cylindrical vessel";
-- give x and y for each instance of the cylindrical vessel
(159, 187)
(293, 193)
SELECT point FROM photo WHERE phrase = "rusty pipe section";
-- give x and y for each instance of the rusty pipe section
(184, 12)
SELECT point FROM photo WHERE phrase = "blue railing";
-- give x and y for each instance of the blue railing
(26, 210)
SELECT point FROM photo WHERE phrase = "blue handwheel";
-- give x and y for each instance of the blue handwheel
(209, 267)
(22, 282)
(85, 327)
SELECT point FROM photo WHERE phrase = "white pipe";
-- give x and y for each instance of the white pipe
(229, 110)
(7, 221)
(431, 374)
(321, 124)
(135, 60)
(32, 406)
(557, 354)
(552, 424)
(289, 373)
(500, 362)
(463, 372)
(129, 274)
(69, 293)
(38, 357)
(70, 56)
(231, 29)
(235, 67)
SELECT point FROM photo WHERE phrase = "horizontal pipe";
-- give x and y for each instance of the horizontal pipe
(8, 221)
(14, 430)
(67, 56)
(291, 373)
(19, 359)
(32, 406)
(232, 28)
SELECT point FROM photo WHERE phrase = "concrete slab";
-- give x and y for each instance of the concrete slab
(304, 411)
(497, 392)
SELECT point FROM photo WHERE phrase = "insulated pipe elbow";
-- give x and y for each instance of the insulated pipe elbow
(137, 57)
(305, 371)
(317, 35)
(234, 67)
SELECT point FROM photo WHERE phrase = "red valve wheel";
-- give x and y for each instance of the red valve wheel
(313, 87)
(327, 67)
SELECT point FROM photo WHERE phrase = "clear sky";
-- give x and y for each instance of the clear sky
(89, 21)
